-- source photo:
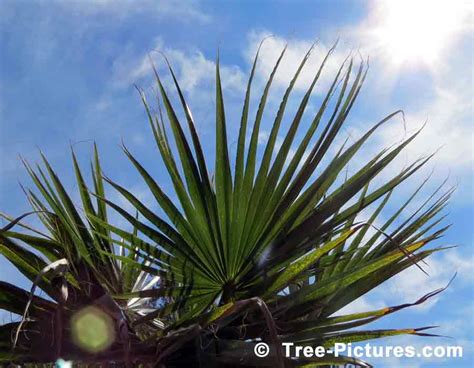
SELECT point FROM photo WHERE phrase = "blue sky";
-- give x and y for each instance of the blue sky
(67, 75)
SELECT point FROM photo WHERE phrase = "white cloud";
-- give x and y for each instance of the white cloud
(192, 67)
(408, 33)
(449, 79)
(196, 75)
(263, 136)
(449, 127)
(362, 304)
(297, 48)
(179, 10)
(448, 110)
(411, 283)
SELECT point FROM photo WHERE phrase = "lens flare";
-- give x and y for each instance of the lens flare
(92, 330)
(61, 363)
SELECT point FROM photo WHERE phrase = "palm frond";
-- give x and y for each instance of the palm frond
(280, 237)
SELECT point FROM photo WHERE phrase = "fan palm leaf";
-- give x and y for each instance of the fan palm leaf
(277, 237)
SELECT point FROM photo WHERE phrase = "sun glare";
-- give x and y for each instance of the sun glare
(417, 31)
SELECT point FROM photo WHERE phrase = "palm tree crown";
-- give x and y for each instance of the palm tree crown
(267, 249)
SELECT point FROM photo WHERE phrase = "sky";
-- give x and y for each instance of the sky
(68, 70)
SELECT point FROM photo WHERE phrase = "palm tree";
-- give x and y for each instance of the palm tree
(268, 250)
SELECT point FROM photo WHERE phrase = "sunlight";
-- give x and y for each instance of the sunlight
(417, 31)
